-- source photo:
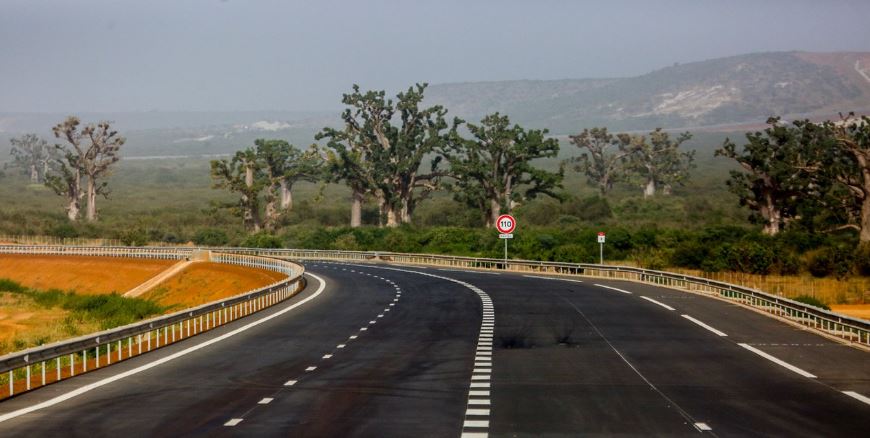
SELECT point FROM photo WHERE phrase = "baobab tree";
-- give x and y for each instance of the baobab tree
(605, 161)
(242, 174)
(32, 154)
(91, 149)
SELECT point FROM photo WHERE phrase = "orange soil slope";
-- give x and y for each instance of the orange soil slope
(857, 310)
(203, 282)
(87, 275)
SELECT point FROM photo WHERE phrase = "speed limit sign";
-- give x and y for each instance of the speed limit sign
(505, 224)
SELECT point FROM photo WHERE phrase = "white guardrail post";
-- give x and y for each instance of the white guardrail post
(77, 356)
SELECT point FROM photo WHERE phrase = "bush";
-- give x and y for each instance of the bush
(7, 285)
(262, 240)
(812, 301)
(862, 259)
(134, 237)
(210, 237)
(830, 261)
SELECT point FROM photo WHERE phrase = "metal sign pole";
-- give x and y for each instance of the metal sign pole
(505, 253)
(601, 255)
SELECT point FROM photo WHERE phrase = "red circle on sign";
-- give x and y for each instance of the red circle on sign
(601, 233)
(505, 224)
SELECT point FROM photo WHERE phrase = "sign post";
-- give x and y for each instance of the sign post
(601, 236)
(505, 225)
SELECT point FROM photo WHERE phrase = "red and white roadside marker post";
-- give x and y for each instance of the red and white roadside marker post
(601, 236)
(505, 225)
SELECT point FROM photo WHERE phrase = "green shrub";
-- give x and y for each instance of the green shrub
(134, 237)
(210, 237)
(830, 261)
(262, 240)
(812, 301)
(7, 285)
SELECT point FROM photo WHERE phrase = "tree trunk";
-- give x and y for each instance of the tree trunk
(772, 217)
(405, 213)
(286, 196)
(356, 209)
(666, 190)
(864, 236)
(271, 215)
(392, 220)
(92, 200)
(650, 188)
(72, 209)
(34, 174)
(494, 212)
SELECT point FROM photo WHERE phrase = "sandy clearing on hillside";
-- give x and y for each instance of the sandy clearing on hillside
(87, 275)
(201, 283)
(857, 310)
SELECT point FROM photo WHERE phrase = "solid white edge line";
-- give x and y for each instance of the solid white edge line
(470, 272)
(90, 387)
(612, 288)
(702, 324)
(658, 302)
(858, 397)
(552, 278)
(778, 361)
(233, 422)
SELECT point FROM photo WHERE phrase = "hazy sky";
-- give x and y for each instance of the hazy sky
(87, 55)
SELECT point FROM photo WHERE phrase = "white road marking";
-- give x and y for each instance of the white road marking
(265, 401)
(339, 346)
(90, 387)
(475, 401)
(476, 423)
(720, 333)
(474, 435)
(290, 383)
(778, 361)
(479, 393)
(327, 356)
(311, 368)
(478, 412)
(480, 377)
(613, 288)
(658, 302)
(702, 426)
(353, 337)
(479, 384)
(363, 329)
(470, 272)
(233, 422)
(552, 278)
(857, 396)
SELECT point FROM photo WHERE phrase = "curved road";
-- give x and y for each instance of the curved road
(384, 351)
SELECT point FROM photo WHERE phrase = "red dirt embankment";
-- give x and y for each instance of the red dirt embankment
(203, 282)
(86, 275)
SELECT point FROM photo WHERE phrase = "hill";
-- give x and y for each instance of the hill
(742, 89)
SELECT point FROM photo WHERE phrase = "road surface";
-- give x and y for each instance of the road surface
(381, 351)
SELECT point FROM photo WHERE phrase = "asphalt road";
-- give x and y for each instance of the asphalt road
(567, 358)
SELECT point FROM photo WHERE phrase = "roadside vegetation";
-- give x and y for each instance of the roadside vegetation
(54, 314)
(790, 200)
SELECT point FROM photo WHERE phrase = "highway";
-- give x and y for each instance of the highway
(381, 351)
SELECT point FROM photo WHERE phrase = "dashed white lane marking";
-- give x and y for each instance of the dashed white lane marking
(327, 356)
(311, 368)
(372, 322)
(702, 426)
(290, 383)
(552, 278)
(233, 422)
(265, 401)
(477, 412)
(857, 396)
(340, 346)
(658, 302)
(702, 324)
(613, 288)
(158, 362)
(363, 329)
(779, 362)
(352, 337)
(481, 374)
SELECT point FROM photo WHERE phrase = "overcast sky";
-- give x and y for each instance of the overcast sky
(86, 55)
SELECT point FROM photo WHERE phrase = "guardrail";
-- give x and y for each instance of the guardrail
(39, 366)
(849, 329)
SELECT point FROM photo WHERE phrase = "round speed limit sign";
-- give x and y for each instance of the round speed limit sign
(505, 224)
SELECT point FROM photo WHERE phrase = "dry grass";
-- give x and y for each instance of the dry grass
(23, 323)
(855, 290)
